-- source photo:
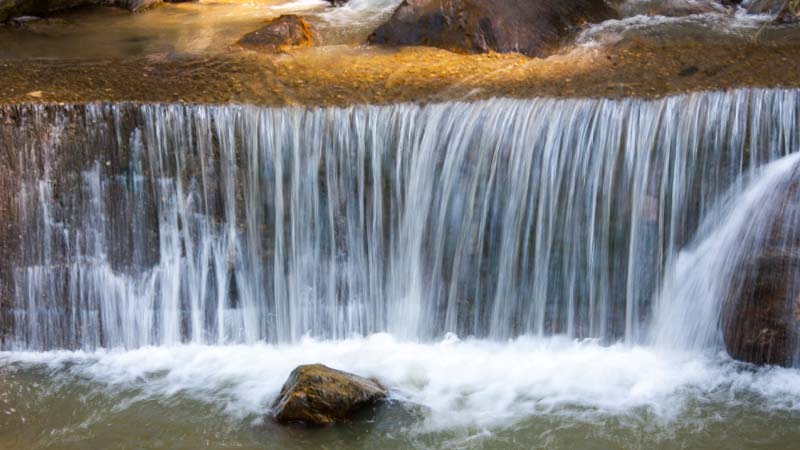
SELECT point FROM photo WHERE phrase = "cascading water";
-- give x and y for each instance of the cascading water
(160, 224)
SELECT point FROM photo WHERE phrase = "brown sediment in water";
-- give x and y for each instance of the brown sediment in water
(343, 75)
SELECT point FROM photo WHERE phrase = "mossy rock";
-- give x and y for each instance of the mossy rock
(318, 395)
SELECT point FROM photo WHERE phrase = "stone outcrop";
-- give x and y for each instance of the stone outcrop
(279, 35)
(318, 395)
(761, 317)
(530, 27)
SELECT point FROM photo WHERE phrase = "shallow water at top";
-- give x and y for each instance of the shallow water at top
(213, 27)
(182, 29)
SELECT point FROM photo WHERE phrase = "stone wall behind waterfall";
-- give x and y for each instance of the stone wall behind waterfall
(130, 225)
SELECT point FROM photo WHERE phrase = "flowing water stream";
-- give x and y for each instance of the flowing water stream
(518, 272)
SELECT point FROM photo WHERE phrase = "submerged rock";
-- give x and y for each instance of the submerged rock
(788, 15)
(318, 395)
(530, 27)
(280, 34)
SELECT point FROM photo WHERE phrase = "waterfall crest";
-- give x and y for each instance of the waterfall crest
(159, 224)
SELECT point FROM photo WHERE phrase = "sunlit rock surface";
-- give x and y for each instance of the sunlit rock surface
(279, 35)
(318, 395)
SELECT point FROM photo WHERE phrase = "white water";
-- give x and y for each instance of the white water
(677, 180)
(458, 384)
(704, 274)
(491, 219)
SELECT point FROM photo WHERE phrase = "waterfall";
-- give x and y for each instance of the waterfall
(140, 225)
(759, 220)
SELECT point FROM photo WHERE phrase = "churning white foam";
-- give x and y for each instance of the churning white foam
(457, 382)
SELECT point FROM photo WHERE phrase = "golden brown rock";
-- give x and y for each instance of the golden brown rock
(279, 35)
(318, 395)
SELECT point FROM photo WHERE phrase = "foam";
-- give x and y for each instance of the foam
(458, 383)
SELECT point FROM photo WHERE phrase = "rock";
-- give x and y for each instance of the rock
(280, 35)
(530, 27)
(337, 2)
(318, 395)
(787, 16)
(761, 317)
(10, 9)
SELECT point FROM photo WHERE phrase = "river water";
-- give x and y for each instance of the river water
(529, 273)
(172, 283)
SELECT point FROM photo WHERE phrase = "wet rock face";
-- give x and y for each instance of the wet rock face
(761, 318)
(318, 395)
(280, 35)
(530, 27)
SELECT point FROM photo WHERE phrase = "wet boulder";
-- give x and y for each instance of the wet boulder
(318, 395)
(761, 316)
(279, 35)
(788, 15)
(530, 27)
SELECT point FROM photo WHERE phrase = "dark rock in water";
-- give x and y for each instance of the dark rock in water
(788, 15)
(688, 71)
(280, 34)
(10, 9)
(531, 27)
(318, 395)
(337, 2)
(761, 318)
